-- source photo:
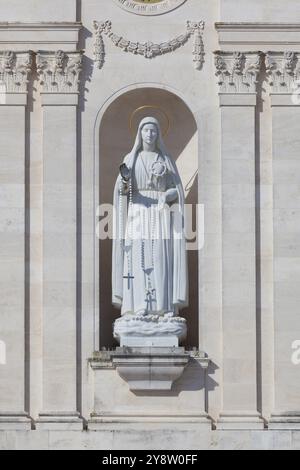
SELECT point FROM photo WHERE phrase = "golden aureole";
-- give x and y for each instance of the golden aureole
(149, 110)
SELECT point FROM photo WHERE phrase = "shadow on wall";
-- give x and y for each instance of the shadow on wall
(194, 378)
(116, 140)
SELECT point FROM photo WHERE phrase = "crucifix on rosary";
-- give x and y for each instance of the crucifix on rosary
(149, 291)
(150, 298)
(128, 277)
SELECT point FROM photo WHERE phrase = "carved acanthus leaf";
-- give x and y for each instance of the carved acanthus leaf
(283, 70)
(59, 72)
(149, 49)
(238, 72)
(15, 68)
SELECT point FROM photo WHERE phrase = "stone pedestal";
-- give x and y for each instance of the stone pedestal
(150, 330)
(152, 368)
(153, 385)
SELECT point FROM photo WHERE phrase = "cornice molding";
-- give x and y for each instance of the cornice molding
(46, 35)
(43, 26)
(234, 34)
(257, 26)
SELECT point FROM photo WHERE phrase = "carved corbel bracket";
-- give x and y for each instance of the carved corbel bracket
(148, 368)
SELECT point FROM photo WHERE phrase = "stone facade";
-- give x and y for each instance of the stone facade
(226, 74)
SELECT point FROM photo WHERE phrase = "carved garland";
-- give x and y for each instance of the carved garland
(149, 49)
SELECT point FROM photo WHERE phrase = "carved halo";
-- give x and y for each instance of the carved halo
(143, 111)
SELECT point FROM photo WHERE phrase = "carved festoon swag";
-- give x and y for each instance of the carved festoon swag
(149, 49)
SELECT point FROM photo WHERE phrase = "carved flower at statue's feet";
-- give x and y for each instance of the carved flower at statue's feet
(141, 313)
(169, 315)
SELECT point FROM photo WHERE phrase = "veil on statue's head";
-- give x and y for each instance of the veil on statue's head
(160, 147)
(139, 141)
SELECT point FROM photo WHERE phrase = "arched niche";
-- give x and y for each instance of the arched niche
(115, 141)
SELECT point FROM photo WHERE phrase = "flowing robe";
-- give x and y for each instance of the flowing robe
(149, 272)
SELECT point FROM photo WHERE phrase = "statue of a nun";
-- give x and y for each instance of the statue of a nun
(149, 262)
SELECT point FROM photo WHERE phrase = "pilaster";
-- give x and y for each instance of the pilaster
(237, 75)
(59, 84)
(15, 68)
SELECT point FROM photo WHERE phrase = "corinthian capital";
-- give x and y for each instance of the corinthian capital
(283, 70)
(238, 72)
(59, 72)
(15, 68)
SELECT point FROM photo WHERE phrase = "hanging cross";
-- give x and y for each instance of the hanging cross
(150, 297)
(128, 277)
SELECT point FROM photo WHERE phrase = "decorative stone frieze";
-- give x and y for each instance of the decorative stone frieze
(59, 72)
(283, 70)
(238, 72)
(15, 68)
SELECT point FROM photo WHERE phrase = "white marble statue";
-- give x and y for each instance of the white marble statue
(149, 262)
